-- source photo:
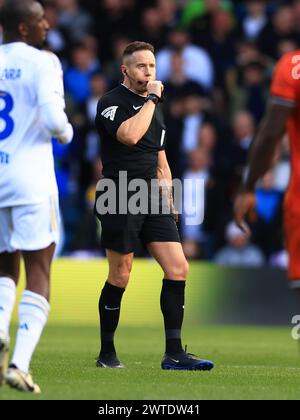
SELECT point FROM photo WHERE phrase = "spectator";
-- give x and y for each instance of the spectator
(194, 108)
(99, 87)
(282, 166)
(112, 69)
(198, 170)
(152, 28)
(169, 12)
(239, 251)
(243, 131)
(197, 63)
(113, 18)
(78, 76)
(255, 19)
(267, 232)
(207, 137)
(248, 52)
(198, 13)
(174, 122)
(281, 27)
(220, 41)
(296, 13)
(252, 91)
(73, 21)
(287, 45)
(178, 85)
(243, 128)
(55, 39)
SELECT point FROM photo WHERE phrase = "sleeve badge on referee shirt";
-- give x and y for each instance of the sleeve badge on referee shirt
(110, 112)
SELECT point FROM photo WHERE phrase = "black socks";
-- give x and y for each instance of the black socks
(109, 312)
(172, 307)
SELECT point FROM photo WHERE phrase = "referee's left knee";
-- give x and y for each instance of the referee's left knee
(178, 271)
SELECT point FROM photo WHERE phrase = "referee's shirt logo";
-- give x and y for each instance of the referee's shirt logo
(110, 112)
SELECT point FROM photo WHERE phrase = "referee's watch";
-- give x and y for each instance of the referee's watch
(154, 98)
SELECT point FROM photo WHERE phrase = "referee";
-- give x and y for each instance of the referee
(131, 126)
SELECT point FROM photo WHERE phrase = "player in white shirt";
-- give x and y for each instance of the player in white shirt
(31, 113)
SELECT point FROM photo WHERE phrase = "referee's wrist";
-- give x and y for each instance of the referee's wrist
(154, 98)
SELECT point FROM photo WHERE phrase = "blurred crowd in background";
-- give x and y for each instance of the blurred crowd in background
(215, 58)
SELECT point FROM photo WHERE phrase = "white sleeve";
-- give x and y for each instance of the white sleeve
(56, 122)
(50, 97)
(49, 80)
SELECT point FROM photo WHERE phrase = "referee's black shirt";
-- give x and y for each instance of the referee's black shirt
(140, 160)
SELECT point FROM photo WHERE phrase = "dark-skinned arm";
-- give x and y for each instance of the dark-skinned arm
(269, 135)
(261, 157)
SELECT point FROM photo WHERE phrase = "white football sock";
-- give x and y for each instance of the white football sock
(7, 302)
(33, 315)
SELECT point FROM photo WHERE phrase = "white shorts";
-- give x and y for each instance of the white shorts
(29, 228)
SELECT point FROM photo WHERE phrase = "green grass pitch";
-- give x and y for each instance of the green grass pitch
(251, 363)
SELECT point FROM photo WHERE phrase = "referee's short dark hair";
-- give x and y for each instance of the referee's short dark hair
(13, 12)
(137, 46)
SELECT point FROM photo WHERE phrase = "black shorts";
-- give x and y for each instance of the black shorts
(125, 232)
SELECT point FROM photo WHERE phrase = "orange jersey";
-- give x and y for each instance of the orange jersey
(286, 89)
